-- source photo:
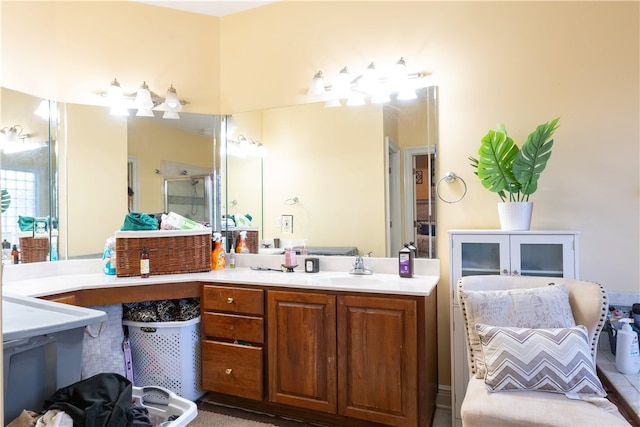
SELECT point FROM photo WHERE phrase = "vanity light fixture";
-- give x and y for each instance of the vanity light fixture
(116, 99)
(144, 101)
(317, 86)
(372, 85)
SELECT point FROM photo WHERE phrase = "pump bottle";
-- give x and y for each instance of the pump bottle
(218, 259)
(405, 262)
(627, 352)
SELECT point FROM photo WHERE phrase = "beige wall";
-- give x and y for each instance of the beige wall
(520, 63)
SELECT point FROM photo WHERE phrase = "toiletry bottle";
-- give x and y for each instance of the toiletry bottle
(218, 255)
(15, 255)
(290, 259)
(405, 262)
(242, 247)
(627, 353)
(144, 263)
(232, 258)
(6, 251)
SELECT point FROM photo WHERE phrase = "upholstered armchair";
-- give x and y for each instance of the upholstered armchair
(531, 352)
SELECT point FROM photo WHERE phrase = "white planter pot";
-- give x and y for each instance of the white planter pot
(515, 216)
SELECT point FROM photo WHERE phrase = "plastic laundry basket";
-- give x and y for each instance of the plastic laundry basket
(167, 354)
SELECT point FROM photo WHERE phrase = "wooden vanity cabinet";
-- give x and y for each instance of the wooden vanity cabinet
(232, 347)
(356, 356)
(302, 350)
(378, 359)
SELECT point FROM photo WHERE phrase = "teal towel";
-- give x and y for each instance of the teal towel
(25, 223)
(136, 221)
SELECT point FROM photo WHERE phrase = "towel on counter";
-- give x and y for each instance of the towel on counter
(25, 223)
(136, 221)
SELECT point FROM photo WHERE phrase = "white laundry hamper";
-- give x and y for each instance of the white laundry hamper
(167, 354)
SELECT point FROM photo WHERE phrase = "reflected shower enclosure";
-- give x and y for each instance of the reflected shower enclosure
(190, 196)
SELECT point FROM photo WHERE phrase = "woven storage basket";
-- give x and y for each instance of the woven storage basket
(33, 250)
(252, 238)
(170, 251)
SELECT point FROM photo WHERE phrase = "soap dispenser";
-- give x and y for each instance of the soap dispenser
(405, 262)
(627, 352)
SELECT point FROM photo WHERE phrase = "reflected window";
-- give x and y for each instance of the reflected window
(21, 186)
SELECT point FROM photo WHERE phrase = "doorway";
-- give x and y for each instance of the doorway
(393, 195)
(420, 212)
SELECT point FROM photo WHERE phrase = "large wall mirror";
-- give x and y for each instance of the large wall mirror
(335, 178)
(340, 180)
(28, 177)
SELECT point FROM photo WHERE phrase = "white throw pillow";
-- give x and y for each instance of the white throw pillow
(546, 307)
(556, 360)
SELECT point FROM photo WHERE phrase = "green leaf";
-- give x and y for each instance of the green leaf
(5, 200)
(532, 158)
(497, 152)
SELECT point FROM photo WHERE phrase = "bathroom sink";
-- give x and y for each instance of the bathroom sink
(346, 280)
(270, 251)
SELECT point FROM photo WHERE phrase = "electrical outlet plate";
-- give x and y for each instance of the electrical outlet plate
(287, 224)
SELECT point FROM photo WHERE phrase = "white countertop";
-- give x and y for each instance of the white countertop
(627, 386)
(48, 278)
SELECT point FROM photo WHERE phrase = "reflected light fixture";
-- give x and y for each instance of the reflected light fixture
(14, 141)
(372, 85)
(14, 133)
(47, 110)
(244, 147)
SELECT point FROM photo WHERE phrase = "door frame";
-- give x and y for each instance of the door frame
(409, 163)
(393, 199)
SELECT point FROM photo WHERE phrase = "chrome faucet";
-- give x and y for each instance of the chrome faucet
(359, 267)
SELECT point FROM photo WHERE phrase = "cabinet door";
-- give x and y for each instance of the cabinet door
(543, 255)
(377, 359)
(478, 254)
(302, 350)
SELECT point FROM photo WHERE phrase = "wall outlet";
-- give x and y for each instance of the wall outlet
(287, 224)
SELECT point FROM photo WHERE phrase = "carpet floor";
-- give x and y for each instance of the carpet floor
(213, 415)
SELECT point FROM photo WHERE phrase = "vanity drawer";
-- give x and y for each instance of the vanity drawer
(234, 327)
(232, 369)
(234, 300)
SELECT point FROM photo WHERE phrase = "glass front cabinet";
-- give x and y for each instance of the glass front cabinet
(517, 253)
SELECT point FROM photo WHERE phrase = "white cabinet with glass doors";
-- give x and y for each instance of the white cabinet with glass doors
(517, 253)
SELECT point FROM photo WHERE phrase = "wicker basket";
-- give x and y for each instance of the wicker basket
(252, 238)
(170, 251)
(33, 250)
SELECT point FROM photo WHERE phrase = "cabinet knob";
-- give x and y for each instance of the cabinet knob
(515, 273)
(505, 271)
(228, 371)
(229, 300)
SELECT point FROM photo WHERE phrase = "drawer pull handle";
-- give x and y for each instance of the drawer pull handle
(228, 371)
(229, 300)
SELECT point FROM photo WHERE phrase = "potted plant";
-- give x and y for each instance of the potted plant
(513, 173)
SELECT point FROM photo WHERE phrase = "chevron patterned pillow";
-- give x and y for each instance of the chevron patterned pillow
(555, 360)
(544, 307)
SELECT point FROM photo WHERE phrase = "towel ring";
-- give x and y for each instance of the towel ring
(450, 178)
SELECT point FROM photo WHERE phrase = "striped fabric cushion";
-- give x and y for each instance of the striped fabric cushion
(554, 360)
